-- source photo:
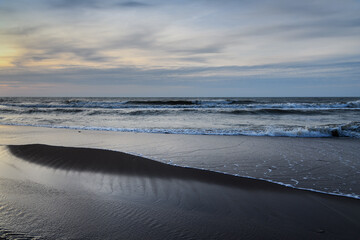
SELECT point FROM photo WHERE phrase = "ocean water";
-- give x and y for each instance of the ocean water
(290, 117)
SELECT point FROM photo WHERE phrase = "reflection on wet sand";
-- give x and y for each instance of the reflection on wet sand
(124, 196)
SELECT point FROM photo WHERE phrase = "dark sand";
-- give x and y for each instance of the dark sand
(80, 193)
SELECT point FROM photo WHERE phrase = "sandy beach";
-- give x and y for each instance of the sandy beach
(191, 120)
(79, 192)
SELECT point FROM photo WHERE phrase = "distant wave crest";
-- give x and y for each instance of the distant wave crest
(193, 104)
(351, 129)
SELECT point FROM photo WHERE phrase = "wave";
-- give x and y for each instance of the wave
(172, 102)
(162, 111)
(8, 110)
(129, 113)
(351, 130)
(147, 112)
(353, 104)
(40, 110)
(241, 101)
(57, 110)
(218, 103)
(277, 111)
(72, 101)
(176, 111)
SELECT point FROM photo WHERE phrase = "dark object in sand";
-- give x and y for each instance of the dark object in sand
(197, 204)
(335, 133)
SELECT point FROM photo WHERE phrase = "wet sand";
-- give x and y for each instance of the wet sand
(80, 193)
(323, 164)
(83, 192)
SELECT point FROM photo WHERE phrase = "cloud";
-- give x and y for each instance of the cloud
(303, 8)
(96, 4)
(196, 50)
(133, 4)
(142, 39)
(135, 75)
(74, 3)
(297, 79)
(310, 29)
(149, 39)
(183, 43)
(54, 49)
(21, 30)
(109, 49)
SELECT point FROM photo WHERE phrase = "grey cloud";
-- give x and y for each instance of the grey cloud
(51, 48)
(6, 11)
(338, 83)
(298, 72)
(328, 27)
(138, 39)
(133, 4)
(302, 8)
(37, 58)
(216, 48)
(193, 59)
(21, 30)
(73, 3)
(149, 39)
(333, 27)
(69, 4)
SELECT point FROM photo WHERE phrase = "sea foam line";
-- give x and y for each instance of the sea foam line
(316, 132)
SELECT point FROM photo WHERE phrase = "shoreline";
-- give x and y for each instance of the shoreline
(20, 151)
(330, 132)
(277, 160)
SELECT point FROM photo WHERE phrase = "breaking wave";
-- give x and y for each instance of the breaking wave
(343, 130)
(217, 103)
(287, 117)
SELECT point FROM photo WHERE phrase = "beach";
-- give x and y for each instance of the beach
(179, 120)
(71, 184)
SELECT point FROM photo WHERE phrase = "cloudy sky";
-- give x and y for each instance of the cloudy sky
(179, 48)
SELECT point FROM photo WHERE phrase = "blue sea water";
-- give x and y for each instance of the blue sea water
(290, 117)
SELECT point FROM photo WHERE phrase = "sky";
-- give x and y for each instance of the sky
(230, 48)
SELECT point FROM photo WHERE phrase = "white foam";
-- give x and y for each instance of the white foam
(344, 130)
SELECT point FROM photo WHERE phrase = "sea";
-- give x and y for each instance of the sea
(276, 117)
